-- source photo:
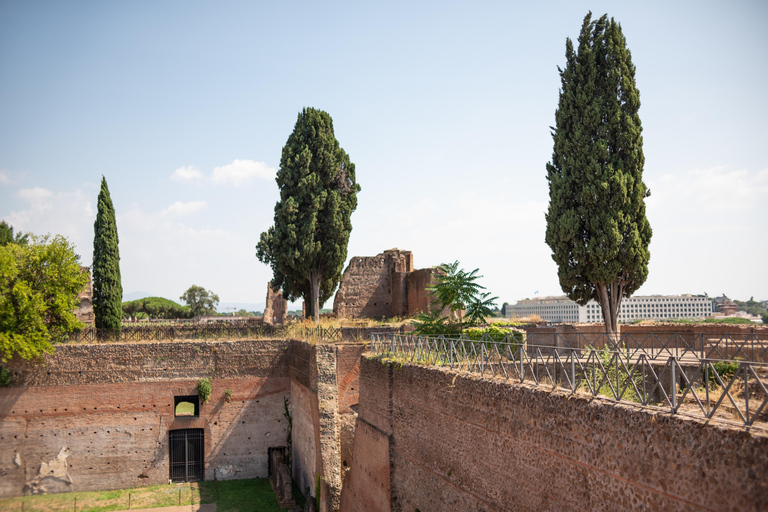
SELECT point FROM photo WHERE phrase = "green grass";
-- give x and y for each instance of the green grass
(185, 409)
(229, 496)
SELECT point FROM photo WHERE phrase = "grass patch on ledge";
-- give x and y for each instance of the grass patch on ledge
(229, 496)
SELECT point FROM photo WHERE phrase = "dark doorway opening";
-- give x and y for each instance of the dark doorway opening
(186, 454)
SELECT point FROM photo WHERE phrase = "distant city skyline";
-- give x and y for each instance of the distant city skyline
(445, 110)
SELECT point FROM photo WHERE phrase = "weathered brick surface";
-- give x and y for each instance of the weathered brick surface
(461, 442)
(367, 486)
(131, 362)
(116, 434)
(97, 416)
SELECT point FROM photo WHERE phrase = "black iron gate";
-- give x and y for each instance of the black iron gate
(186, 451)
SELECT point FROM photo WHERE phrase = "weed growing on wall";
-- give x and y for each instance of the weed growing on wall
(228, 395)
(5, 377)
(204, 389)
(289, 437)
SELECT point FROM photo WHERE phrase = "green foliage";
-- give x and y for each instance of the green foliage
(7, 236)
(596, 223)
(455, 291)
(39, 287)
(616, 373)
(729, 320)
(107, 286)
(307, 245)
(228, 395)
(751, 306)
(493, 332)
(155, 307)
(200, 301)
(765, 318)
(725, 369)
(204, 389)
(6, 377)
(434, 324)
(289, 434)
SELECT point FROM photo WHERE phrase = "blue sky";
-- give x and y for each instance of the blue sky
(444, 107)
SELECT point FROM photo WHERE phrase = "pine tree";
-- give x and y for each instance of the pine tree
(596, 223)
(307, 246)
(107, 287)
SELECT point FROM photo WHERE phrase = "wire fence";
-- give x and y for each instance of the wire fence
(722, 377)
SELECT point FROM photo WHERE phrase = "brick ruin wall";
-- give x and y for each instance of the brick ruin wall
(437, 439)
(96, 417)
(276, 308)
(381, 286)
(372, 287)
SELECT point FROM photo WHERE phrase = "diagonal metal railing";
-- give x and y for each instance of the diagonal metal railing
(716, 377)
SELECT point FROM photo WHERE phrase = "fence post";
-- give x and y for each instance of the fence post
(673, 379)
(573, 370)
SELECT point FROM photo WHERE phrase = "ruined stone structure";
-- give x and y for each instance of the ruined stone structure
(84, 312)
(95, 417)
(383, 286)
(377, 436)
(276, 310)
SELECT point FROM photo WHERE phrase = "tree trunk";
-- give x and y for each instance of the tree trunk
(609, 297)
(314, 287)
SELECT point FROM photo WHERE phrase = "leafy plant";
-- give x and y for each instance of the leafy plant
(458, 292)
(228, 395)
(615, 373)
(725, 369)
(289, 437)
(5, 377)
(204, 389)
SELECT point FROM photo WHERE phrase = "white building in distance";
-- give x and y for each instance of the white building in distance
(652, 307)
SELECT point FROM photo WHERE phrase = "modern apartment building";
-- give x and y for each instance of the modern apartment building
(652, 307)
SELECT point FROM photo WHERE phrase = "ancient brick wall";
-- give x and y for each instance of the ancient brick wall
(276, 309)
(443, 440)
(98, 416)
(369, 284)
(419, 300)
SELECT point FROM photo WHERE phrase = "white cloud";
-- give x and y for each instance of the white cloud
(188, 173)
(179, 208)
(240, 172)
(65, 213)
(5, 176)
(714, 189)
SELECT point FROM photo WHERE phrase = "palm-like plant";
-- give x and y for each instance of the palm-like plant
(457, 291)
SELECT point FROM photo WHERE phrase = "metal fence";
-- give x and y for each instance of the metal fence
(722, 377)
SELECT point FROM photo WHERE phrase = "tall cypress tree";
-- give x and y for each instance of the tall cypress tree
(107, 287)
(596, 223)
(307, 245)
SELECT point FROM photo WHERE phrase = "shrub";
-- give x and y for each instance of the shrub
(204, 389)
(726, 370)
(5, 377)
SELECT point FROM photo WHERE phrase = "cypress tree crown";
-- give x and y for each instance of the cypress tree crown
(107, 286)
(596, 223)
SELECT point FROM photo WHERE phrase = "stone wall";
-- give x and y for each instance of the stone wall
(97, 416)
(84, 311)
(276, 309)
(382, 286)
(369, 284)
(437, 439)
